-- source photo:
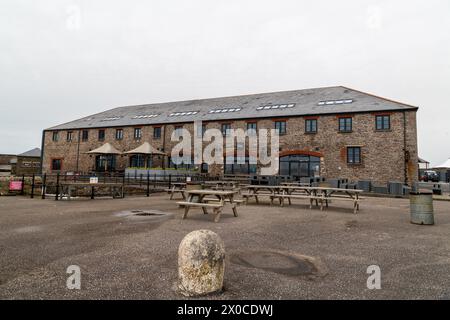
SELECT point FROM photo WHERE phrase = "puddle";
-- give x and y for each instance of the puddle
(280, 262)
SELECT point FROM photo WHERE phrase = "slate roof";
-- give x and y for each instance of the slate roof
(306, 102)
(36, 152)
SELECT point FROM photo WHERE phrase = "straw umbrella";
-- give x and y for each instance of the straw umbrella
(147, 150)
(105, 150)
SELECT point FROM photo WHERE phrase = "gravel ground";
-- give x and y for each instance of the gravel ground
(132, 257)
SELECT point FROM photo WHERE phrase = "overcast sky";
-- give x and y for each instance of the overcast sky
(61, 60)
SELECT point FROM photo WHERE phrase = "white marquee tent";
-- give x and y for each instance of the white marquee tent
(445, 165)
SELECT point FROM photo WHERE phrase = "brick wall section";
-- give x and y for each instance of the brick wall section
(383, 156)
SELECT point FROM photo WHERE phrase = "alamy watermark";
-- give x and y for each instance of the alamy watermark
(374, 280)
(263, 147)
(74, 280)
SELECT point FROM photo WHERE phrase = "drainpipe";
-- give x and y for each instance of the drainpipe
(164, 147)
(405, 171)
(78, 149)
(42, 150)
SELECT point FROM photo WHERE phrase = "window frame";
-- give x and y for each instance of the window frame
(69, 136)
(60, 164)
(308, 128)
(55, 136)
(119, 136)
(283, 124)
(251, 130)
(383, 116)
(157, 129)
(178, 130)
(83, 137)
(352, 157)
(135, 131)
(345, 119)
(101, 134)
(224, 128)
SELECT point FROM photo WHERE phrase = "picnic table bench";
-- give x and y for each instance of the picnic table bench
(206, 199)
(321, 196)
(176, 187)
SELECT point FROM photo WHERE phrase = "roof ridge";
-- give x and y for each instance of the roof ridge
(223, 97)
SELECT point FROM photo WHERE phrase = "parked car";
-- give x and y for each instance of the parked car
(430, 175)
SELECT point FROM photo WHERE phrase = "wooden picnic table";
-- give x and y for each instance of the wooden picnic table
(66, 188)
(320, 195)
(222, 184)
(214, 199)
(324, 195)
(177, 187)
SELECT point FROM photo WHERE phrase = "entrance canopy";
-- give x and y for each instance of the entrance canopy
(445, 165)
(146, 148)
(107, 148)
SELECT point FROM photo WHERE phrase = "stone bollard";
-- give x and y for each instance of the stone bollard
(201, 263)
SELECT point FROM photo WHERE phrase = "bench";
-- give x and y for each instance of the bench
(237, 201)
(217, 208)
(173, 191)
(311, 198)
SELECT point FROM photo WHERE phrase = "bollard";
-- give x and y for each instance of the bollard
(201, 263)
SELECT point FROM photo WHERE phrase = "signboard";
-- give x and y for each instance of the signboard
(15, 185)
(93, 180)
(188, 179)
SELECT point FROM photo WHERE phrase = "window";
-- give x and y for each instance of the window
(55, 136)
(85, 135)
(137, 133)
(156, 132)
(311, 125)
(275, 106)
(345, 124)
(184, 113)
(226, 127)
(383, 122)
(119, 134)
(69, 136)
(56, 164)
(101, 135)
(251, 128)
(238, 165)
(201, 130)
(178, 131)
(353, 155)
(331, 102)
(225, 110)
(280, 126)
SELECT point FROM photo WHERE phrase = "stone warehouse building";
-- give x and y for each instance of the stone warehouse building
(332, 132)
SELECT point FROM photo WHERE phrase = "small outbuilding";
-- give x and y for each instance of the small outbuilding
(26, 163)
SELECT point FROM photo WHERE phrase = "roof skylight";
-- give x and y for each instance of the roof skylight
(145, 116)
(110, 119)
(184, 113)
(276, 106)
(332, 102)
(225, 110)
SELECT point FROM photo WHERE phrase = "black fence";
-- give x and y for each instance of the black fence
(50, 185)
